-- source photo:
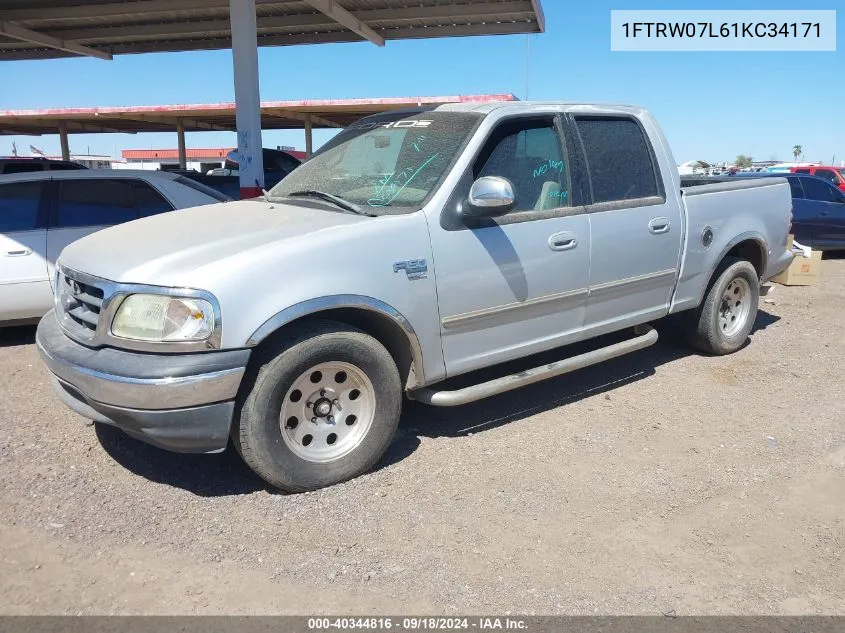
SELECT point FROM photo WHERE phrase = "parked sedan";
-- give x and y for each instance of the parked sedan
(42, 212)
(819, 213)
(818, 209)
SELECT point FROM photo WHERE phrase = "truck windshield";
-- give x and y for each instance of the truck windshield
(385, 164)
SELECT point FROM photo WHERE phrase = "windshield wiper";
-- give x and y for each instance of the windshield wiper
(329, 197)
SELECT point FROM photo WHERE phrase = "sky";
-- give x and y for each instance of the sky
(712, 106)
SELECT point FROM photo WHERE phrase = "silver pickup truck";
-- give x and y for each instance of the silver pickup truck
(414, 247)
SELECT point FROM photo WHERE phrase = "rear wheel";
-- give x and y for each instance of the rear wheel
(722, 323)
(323, 407)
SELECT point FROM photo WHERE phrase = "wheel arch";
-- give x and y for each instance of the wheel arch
(378, 319)
(750, 246)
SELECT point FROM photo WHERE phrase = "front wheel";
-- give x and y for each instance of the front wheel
(722, 323)
(323, 407)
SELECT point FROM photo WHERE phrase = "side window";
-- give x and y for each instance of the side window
(802, 171)
(529, 155)
(23, 168)
(95, 202)
(208, 191)
(827, 174)
(797, 189)
(19, 204)
(287, 163)
(64, 166)
(148, 201)
(819, 190)
(619, 159)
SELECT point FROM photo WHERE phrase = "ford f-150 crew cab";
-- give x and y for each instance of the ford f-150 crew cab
(415, 246)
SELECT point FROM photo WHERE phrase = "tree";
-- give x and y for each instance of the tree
(742, 161)
(797, 150)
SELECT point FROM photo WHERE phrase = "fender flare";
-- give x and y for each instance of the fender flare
(360, 302)
(742, 237)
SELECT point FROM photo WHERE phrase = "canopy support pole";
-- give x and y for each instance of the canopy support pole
(247, 96)
(63, 140)
(309, 138)
(183, 152)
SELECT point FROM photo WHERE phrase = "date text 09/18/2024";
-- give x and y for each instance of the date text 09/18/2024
(418, 623)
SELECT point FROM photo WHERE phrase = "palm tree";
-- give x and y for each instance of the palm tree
(797, 150)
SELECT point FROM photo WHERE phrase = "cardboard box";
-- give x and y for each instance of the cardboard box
(803, 271)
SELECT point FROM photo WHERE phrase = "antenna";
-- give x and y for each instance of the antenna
(527, 63)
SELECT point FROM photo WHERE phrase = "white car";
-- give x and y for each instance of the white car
(42, 212)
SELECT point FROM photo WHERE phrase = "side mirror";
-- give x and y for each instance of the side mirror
(490, 196)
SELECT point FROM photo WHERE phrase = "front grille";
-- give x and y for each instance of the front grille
(80, 304)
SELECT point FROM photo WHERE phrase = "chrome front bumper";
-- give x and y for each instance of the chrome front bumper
(181, 402)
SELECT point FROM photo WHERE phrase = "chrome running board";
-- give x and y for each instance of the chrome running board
(646, 336)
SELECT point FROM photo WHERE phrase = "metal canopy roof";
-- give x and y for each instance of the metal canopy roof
(39, 29)
(275, 115)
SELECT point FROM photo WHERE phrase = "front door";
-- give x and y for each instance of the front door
(636, 229)
(515, 284)
(24, 286)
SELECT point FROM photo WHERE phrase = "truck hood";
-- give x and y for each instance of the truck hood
(164, 248)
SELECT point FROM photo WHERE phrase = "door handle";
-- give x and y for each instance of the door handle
(824, 212)
(659, 225)
(564, 241)
(20, 253)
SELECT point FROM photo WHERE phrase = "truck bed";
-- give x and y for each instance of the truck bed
(724, 212)
(691, 182)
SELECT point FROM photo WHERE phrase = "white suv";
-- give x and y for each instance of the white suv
(42, 212)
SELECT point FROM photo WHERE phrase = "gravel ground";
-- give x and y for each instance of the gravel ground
(657, 482)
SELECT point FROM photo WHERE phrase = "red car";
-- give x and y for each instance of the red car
(836, 175)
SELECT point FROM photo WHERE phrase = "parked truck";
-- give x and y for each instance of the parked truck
(414, 247)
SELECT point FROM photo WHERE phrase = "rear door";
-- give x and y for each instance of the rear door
(24, 286)
(635, 228)
(85, 205)
(827, 224)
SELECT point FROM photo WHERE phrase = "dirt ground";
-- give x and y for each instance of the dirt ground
(663, 481)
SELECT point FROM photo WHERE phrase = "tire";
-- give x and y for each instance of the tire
(719, 326)
(300, 424)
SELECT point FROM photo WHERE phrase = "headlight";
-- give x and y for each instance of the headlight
(163, 318)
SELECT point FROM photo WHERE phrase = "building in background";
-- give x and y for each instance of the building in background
(95, 161)
(201, 160)
(91, 161)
